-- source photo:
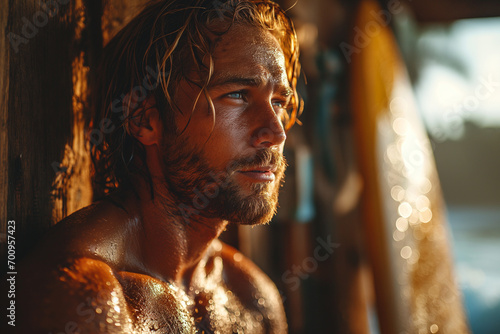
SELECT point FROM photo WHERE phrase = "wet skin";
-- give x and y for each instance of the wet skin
(130, 264)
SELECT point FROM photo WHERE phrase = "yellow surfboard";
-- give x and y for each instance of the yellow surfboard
(403, 209)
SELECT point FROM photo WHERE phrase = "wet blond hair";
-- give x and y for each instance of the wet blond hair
(152, 54)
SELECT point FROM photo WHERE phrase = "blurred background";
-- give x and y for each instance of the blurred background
(389, 219)
(455, 71)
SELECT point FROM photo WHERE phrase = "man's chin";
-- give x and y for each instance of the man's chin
(261, 220)
(254, 211)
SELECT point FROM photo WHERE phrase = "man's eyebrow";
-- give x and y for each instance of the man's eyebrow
(235, 79)
(245, 81)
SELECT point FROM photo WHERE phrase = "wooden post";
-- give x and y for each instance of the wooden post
(4, 89)
(43, 85)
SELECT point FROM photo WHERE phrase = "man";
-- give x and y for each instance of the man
(193, 99)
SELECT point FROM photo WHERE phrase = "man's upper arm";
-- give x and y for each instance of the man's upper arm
(83, 296)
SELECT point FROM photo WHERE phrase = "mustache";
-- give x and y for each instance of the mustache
(263, 157)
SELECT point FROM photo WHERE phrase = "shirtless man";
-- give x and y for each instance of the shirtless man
(193, 100)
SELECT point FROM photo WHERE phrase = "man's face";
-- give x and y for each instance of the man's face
(232, 167)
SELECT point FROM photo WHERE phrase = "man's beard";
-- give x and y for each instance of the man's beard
(199, 190)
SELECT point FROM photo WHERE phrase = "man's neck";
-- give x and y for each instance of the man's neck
(171, 249)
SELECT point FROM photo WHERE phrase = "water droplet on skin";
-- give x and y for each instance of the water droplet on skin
(237, 257)
(217, 245)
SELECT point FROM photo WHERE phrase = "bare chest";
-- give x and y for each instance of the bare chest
(157, 307)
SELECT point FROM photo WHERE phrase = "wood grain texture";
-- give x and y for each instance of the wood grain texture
(4, 90)
(48, 54)
(117, 13)
(41, 116)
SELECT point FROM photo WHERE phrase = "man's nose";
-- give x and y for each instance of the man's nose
(269, 131)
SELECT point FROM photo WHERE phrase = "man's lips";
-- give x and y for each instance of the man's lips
(260, 173)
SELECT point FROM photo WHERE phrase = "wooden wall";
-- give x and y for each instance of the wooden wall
(48, 52)
(44, 85)
(4, 86)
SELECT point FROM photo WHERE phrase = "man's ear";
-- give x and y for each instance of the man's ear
(145, 123)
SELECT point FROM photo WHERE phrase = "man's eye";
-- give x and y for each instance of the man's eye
(235, 95)
(279, 104)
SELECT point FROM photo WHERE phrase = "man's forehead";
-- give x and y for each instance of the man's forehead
(249, 51)
(253, 38)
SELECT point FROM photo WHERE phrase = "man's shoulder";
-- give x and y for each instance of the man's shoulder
(102, 215)
(84, 233)
(65, 285)
(254, 288)
(85, 295)
(80, 295)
